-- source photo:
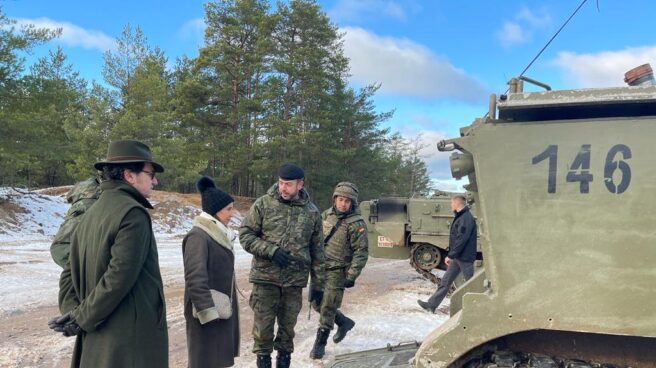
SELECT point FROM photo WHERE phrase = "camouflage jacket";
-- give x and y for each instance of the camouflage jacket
(81, 197)
(348, 247)
(294, 226)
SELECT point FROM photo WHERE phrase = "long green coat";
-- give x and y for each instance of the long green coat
(113, 285)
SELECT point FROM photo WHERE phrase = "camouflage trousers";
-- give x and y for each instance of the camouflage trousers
(332, 297)
(270, 303)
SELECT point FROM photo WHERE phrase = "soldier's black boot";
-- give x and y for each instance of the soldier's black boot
(319, 348)
(344, 325)
(264, 361)
(283, 359)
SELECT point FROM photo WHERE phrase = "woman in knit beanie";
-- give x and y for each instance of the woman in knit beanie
(209, 264)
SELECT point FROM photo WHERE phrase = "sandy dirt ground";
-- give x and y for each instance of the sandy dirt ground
(382, 303)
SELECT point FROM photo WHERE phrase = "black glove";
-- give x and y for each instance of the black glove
(59, 322)
(65, 324)
(316, 296)
(281, 257)
(348, 283)
(72, 329)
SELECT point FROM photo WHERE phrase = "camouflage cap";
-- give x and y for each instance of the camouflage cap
(348, 190)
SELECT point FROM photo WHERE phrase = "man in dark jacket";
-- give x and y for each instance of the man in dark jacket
(462, 251)
(283, 231)
(111, 292)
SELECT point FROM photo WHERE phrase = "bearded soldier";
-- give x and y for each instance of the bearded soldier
(346, 250)
(283, 232)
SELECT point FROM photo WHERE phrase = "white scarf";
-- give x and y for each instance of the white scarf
(215, 229)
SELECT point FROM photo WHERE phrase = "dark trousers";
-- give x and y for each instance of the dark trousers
(452, 271)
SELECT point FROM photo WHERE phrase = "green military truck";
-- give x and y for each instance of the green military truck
(412, 228)
(564, 181)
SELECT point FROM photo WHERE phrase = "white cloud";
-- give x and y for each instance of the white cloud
(512, 34)
(356, 10)
(73, 35)
(603, 69)
(536, 21)
(406, 68)
(437, 162)
(521, 30)
(193, 29)
(394, 10)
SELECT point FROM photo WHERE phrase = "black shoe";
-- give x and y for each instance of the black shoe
(319, 348)
(344, 325)
(283, 359)
(264, 361)
(425, 306)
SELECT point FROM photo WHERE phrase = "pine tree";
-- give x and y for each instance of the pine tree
(234, 64)
(57, 94)
(15, 137)
(90, 133)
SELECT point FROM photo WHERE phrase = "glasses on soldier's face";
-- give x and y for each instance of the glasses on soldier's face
(150, 173)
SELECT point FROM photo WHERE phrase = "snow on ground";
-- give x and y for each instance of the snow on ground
(384, 308)
(28, 276)
(42, 217)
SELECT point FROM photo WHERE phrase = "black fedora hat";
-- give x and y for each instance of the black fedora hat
(128, 151)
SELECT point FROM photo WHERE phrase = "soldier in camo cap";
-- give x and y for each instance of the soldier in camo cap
(347, 252)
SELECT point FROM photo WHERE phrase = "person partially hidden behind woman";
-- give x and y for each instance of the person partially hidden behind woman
(209, 270)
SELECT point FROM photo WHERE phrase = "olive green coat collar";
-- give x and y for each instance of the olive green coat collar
(125, 187)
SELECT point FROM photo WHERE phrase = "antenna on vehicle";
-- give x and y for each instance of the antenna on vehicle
(549, 42)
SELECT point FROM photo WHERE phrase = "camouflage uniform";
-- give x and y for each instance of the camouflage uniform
(346, 255)
(294, 226)
(81, 197)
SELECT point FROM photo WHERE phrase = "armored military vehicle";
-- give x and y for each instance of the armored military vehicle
(564, 182)
(412, 228)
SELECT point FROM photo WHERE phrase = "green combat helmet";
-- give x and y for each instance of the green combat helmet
(348, 190)
(81, 197)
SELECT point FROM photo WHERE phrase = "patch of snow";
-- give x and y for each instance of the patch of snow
(176, 221)
(43, 214)
(29, 277)
(41, 219)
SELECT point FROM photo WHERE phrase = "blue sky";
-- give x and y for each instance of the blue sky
(437, 61)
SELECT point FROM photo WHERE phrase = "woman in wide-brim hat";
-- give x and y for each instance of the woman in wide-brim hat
(209, 263)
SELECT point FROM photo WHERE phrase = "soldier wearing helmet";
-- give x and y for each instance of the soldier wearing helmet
(347, 252)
